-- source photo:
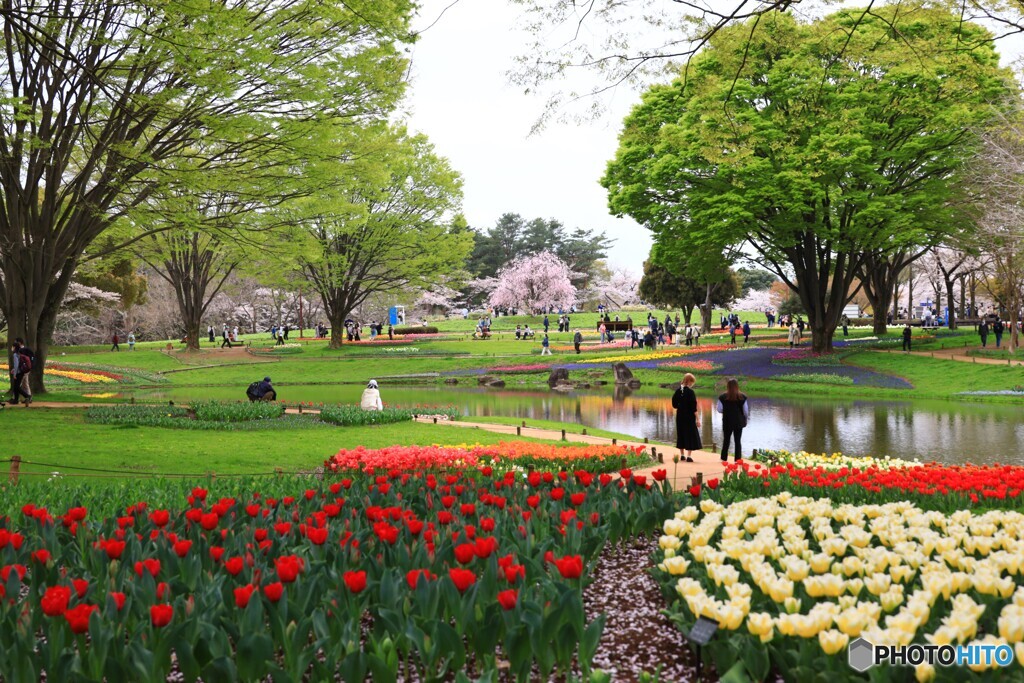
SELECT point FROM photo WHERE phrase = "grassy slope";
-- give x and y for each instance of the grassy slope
(66, 439)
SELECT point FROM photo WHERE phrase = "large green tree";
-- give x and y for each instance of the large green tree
(103, 101)
(390, 224)
(688, 285)
(811, 144)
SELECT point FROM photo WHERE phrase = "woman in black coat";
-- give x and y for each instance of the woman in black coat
(735, 412)
(687, 418)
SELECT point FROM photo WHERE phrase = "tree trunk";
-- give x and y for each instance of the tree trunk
(705, 313)
(337, 331)
(687, 313)
(951, 307)
(880, 309)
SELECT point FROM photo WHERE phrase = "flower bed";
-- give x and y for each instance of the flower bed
(834, 461)
(660, 353)
(691, 366)
(408, 574)
(515, 369)
(518, 454)
(807, 357)
(93, 374)
(792, 580)
(815, 378)
(931, 485)
(352, 415)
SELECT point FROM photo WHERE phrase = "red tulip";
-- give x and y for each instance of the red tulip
(243, 594)
(216, 553)
(533, 501)
(317, 536)
(234, 565)
(514, 571)
(712, 484)
(209, 521)
(412, 577)
(577, 499)
(356, 581)
(81, 586)
(160, 615)
(78, 617)
(508, 598)
(160, 518)
(288, 567)
(77, 514)
(181, 548)
(273, 591)
(113, 548)
(118, 599)
(55, 600)
(465, 553)
(557, 493)
(695, 490)
(485, 546)
(151, 565)
(570, 566)
(659, 475)
(42, 556)
(462, 578)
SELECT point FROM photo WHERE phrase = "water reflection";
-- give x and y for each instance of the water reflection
(931, 430)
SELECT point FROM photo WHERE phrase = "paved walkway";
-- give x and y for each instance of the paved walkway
(957, 355)
(706, 464)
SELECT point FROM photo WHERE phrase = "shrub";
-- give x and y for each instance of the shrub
(416, 329)
(353, 416)
(213, 411)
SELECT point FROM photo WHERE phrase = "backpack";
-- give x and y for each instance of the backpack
(24, 362)
(252, 391)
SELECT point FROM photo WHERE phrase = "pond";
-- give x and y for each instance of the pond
(930, 430)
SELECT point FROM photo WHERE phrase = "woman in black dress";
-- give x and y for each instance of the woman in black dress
(687, 418)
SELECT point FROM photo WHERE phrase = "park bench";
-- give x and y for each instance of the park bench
(615, 325)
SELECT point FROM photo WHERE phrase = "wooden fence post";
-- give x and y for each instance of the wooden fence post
(15, 469)
(584, 432)
(563, 435)
(519, 431)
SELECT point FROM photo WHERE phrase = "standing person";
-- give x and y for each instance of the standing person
(846, 324)
(906, 337)
(687, 418)
(115, 339)
(983, 332)
(735, 412)
(546, 323)
(131, 341)
(370, 399)
(225, 341)
(280, 337)
(794, 335)
(689, 335)
(209, 332)
(545, 346)
(732, 334)
(577, 339)
(604, 333)
(746, 331)
(391, 332)
(234, 334)
(997, 330)
(19, 367)
(286, 330)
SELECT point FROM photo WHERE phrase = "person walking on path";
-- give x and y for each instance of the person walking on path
(547, 323)
(997, 330)
(794, 335)
(209, 332)
(906, 337)
(983, 332)
(735, 411)
(226, 341)
(846, 325)
(577, 339)
(370, 399)
(687, 418)
(115, 339)
(19, 367)
(545, 345)
(131, 341)
(746, 331)
(732, 334)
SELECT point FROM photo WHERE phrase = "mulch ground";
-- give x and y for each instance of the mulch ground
(637, 636)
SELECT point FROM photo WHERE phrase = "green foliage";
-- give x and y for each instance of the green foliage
(755, 279)
(215, 411)
(746, 150)
(674, 284)
(814, 378)
(349, 415)
(513, 236)
(416, 329)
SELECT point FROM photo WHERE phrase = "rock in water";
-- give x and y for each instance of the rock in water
(556, 375)
(623, 375)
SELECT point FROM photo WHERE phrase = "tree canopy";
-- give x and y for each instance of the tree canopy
(811, 144)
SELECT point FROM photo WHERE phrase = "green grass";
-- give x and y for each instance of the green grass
(65, 439)
(570, 428)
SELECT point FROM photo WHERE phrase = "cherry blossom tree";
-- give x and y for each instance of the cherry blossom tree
(617, 289)
(534, 282)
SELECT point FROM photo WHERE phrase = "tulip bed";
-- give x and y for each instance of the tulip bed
(398, 576)
(792, 580)
(516, 455)
(930, 485)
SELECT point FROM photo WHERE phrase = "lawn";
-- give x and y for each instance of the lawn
(64, 438)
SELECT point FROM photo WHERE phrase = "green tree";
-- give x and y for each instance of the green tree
(671, 283)
(812, 144)
(754, 279)
(391, 225)
(102, 100)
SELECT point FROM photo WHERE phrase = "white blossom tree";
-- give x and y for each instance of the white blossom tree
(617, 289)
(534, 282)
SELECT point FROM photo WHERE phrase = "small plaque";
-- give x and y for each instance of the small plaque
(703, 630)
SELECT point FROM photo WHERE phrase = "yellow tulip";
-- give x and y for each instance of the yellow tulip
(674, 527)
(851, 622)
(1011, 623)
(820, 563)
(832, 641)
(877, 583)
(759, 623)
(791, 605)
(667, 542)
(924, 673)
(674, 565)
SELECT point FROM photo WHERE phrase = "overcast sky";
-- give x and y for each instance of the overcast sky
(462, 100)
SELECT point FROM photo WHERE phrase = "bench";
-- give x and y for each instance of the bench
(616, 325)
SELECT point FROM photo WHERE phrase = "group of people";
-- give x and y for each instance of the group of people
(228, 336)
(22, 361)
(116, 341)
(525, 332)
(732, 405)
(997, 328)
(264, 391)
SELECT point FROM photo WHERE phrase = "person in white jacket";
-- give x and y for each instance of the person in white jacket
(371, 397)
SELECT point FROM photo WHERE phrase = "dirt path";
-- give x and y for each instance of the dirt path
(957, 355)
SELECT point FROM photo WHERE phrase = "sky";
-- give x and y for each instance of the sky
(462, 100)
